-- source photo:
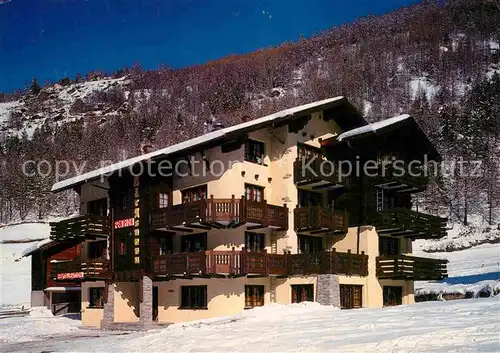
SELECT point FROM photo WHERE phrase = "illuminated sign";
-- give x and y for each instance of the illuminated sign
(137, 222)
(70, 275)
(124, 223)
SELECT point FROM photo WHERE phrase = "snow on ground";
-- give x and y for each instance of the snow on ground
(455, 326)
(15, 272)
(479, 259)
(472, 255)
(35, 327)
(491, 287)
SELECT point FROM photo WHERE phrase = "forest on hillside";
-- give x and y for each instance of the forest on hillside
(435, 60)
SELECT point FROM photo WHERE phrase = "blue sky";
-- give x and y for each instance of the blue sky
(51, 39)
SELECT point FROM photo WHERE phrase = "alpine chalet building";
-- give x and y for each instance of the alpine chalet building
(253, 214)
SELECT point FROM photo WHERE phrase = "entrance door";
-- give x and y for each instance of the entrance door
(350, 296)
(155, 303)
(393, 295)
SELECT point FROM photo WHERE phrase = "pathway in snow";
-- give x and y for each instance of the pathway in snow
(458, 326)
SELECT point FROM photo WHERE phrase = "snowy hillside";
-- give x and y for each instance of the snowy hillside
(58, 104)
(458, 326)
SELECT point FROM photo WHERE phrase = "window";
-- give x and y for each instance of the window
(194, 242)
(254, 296)
(254, 151)
(393, 295)
(302, 293)
(98, 207)
(254, 193)
(309, 244)
(96, 297)
(254, 241)
(122, 247)
(96, 249)
(309, 198)
(194, 297)
(350, 296)
(123, 202)
(163, 198)
(306, 152)
(194, 194)
(388, 246)
(166, 245)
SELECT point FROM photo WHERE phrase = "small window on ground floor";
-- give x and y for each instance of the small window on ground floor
(254, 296)
(302, 293)
(393, 295)
(96, 297)
(194, 297)
(350, 296)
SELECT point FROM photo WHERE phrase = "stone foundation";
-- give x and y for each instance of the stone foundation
(328, 290)
(109, 308)
(146, 301)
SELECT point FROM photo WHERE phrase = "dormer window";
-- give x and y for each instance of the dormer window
(254, 151)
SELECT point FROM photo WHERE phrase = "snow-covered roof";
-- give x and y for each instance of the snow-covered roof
(372, 128)
(212, 136)
(34, 247)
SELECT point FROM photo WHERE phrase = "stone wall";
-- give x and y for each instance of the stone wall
(328, 290)
(146, 301)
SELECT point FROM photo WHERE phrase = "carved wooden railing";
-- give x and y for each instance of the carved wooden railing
(318, 217)
(78, 269)
(423, 225)
(223, 211)
(80, 227)
(243, 262)
(411, 267)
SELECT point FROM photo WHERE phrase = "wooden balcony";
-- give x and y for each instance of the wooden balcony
(401, 179)
(411, 268)
(415, 225)
(318, 219)
(80, 228)
(243, 263)
(316, 174)
(221, 213)
(78, 270)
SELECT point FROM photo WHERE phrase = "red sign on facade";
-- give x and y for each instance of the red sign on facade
(71, 275)
(124, 223)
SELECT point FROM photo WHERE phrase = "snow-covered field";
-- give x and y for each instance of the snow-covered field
(15, 272)
(471, 325)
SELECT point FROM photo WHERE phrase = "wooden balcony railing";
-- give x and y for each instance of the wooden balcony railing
(240, 263)
(317, 218)
(411, 267)
(80, 227)
(410, 223)
(312, 170)
(413, 176)
(77, 270)
(225, 212)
